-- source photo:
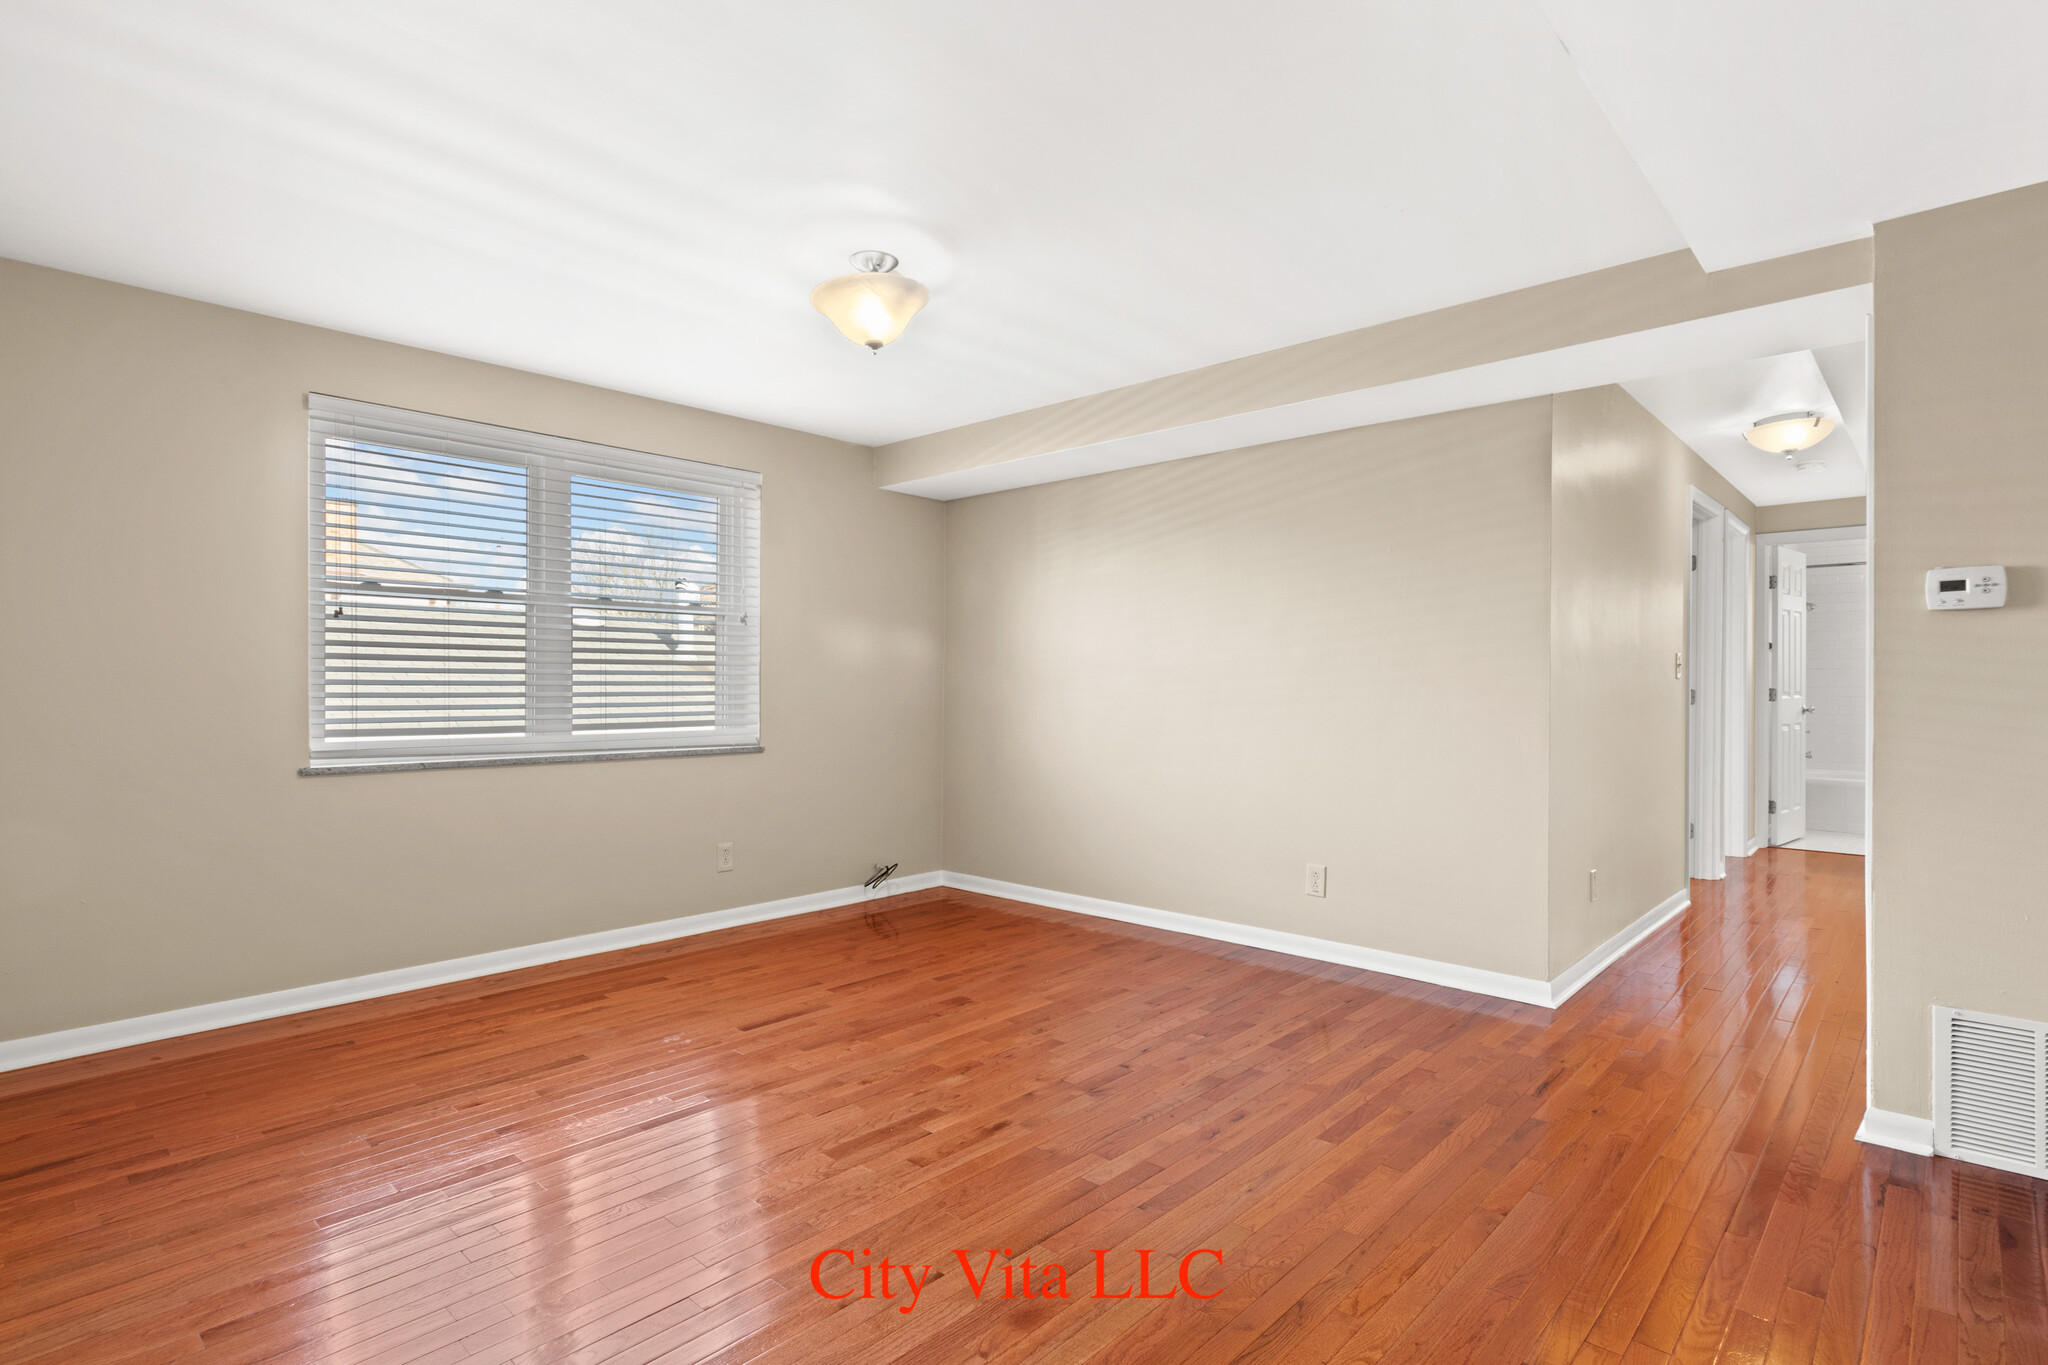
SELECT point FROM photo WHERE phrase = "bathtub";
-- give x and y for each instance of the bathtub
(1834, 801)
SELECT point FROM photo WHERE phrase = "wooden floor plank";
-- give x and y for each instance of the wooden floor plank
(639, 1157)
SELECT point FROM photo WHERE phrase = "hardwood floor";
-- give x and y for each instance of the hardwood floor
(641, 1157)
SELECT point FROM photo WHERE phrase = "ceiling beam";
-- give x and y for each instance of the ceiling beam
(1662, 313)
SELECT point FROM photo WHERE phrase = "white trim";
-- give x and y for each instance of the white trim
(409, 765)
(1736, 558)
(1767, 682)
(1870, 1024)
(1705, 678)
(149, 1028)
(1523, 989)
(1567, 984)
(1755, 842)
(1501, 985)
(1900, 1132)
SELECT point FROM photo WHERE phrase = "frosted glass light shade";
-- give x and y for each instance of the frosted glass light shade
(871, 307)
(1793, 431)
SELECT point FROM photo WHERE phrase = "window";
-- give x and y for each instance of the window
(480, 593)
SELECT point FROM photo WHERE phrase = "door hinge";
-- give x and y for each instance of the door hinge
(1774, 580)
(1774, 694)
(1695, 561)
(1773, 810)
(1688, 829)
(1692, 695)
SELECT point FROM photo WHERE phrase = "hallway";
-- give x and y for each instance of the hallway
(650, 1155)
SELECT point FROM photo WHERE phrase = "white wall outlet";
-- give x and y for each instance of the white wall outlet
(1593, 885)
(1318, 880)
(725, 856)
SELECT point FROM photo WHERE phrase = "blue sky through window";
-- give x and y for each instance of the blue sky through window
(426, 520)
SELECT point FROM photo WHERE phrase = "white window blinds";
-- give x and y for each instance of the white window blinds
(481, 592)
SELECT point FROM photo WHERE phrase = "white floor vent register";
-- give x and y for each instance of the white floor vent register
(1991, 1090)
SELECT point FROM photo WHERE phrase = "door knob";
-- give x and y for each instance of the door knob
(1806, 710)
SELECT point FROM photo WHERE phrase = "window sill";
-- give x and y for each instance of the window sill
(411, 765)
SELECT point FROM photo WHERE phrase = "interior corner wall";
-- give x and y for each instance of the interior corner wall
(157, 848)
(1175, 686)
(1958, 858)
(1621, 539)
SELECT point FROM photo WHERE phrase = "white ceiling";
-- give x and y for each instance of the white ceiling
(641, 193)
(1710, 408)
(1773, 126)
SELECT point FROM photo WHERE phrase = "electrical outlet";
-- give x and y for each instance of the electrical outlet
(1593, 885)
(1318, 880)
(725, 856)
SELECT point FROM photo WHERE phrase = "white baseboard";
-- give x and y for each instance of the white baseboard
(1901, 1132)
(1567, 983)
(1522, 989)
(50, 1047)
(1527, 990)
(1754, 845)
(149, 1028)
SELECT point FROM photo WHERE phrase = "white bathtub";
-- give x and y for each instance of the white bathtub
(1834, 801)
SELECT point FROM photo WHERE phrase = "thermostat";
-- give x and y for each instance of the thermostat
(1960, 589)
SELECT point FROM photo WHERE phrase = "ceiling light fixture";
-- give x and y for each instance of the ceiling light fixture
(1788, 432)
(874, 305)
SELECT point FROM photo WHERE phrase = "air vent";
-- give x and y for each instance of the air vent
(1991, 1090)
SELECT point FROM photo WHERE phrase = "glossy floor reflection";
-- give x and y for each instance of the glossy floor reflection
(643, 1157)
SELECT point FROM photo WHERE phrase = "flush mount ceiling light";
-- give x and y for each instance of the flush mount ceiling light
(874, 305)
(1788, 432)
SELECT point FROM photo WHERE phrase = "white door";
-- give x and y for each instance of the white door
(1704, 857)
(1789, 707)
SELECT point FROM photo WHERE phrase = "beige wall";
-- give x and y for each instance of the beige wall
(1704, 476)
(1473, 748)
(1177, 685)
(1960, 775)
(1810, 516)
(158, 849)
(1620, 551)
(1425, 653)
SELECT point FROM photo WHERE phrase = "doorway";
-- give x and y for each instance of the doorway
(1717, 692)
(1813, 623)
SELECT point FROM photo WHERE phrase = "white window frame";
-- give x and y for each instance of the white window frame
(551, 462)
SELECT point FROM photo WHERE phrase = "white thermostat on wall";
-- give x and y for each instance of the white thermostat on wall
(1961, 589)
